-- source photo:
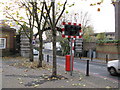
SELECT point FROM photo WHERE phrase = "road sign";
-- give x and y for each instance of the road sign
(71, 30)
(78, 45)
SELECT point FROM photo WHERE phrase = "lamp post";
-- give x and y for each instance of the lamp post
(116, 4)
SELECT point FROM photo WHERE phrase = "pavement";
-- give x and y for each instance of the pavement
(16, 76)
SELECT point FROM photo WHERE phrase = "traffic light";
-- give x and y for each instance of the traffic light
(72, 30)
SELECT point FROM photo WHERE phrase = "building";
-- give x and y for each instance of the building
(7, 39)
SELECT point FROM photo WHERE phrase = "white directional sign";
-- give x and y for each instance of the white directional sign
(78, 45)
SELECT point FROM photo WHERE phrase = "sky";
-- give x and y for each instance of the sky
(103, 21)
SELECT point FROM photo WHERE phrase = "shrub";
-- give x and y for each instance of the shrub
(107, 41)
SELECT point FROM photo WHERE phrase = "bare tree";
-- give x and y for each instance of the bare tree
(28, 23)
(53, 22)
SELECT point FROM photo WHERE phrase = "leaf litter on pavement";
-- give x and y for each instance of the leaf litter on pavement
(44, 78)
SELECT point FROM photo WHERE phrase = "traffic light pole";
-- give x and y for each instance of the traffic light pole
(71, 55)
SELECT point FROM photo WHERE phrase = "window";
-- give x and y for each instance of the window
(2, 43)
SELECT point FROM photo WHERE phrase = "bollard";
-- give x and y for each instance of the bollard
(92, 56)
(47, 58)
(87, 68)
(80, 56)
(106, 58)
(42, 56)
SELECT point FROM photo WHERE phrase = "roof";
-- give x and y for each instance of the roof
(5, 27)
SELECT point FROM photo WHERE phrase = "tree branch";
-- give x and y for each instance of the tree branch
(27, 7)
(61, 12)
(49, 28)
(42, 13)
(48, 12)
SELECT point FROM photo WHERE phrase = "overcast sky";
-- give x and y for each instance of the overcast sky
(103, 21)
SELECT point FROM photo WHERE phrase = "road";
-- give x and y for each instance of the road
(96, 69)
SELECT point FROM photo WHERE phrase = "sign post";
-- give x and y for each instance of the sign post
(71, 55)
(71, 64)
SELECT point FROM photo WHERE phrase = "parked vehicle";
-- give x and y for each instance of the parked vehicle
(35, 52)
(113, 67)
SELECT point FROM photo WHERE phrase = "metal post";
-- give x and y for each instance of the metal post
(91, 56)
(47, 58)
(71, 59)
(42, 56)
(106, 58)
(87, 68)
(80, 55)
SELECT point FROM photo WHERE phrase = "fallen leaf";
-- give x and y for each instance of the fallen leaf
(1, 71)
(25, 75)
(65, 72)
(105, 78)
(76, 84)
(36, 85)
(53, 77)
(35, 79)
(40, 77)
(19, 78)
(84, 85)
(62, 78)
(73, 84)
(49, 69)
(48, 79)
(20, 82)
(67, 81)
(60, 74)
(108, 87)
(80, 79)
(26, 70)
(62, 86)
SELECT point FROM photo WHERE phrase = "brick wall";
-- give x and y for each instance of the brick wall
(112, 50)
(89, 45)
(9, 34)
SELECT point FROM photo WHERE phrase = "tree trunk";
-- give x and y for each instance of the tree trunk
(54, 71)
(31, 51)
(40, 49)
